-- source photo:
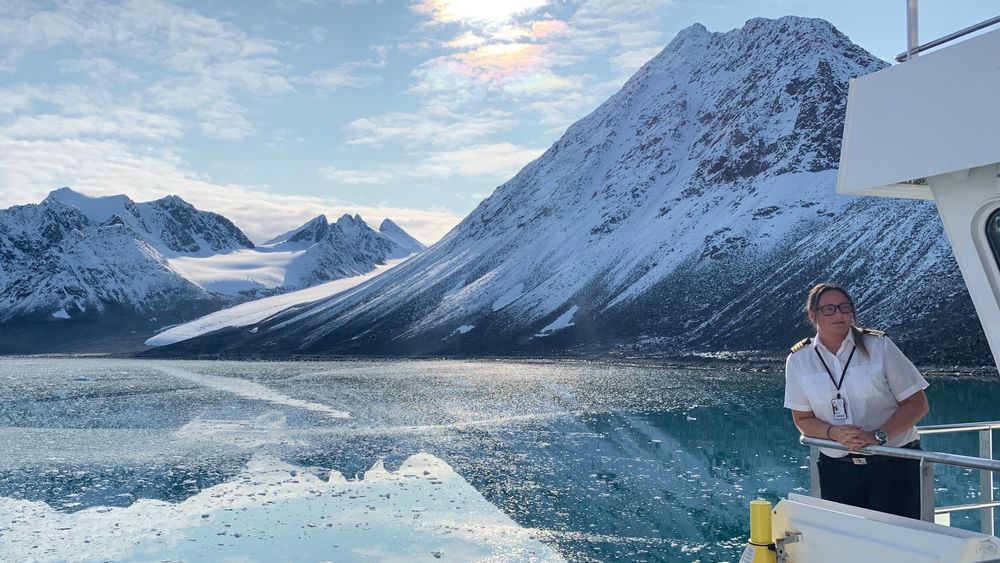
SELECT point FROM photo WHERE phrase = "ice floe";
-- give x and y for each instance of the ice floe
(276, 511)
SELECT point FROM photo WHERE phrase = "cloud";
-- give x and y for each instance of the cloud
(434, 124)
(546, 29)
(630, 61)
(355, 74)
(29, 169)
(15, 100)
(559, 112)
(348, 75)
(178, 59)
(98, 68)
(68, 99)
(475, 11)
(318, 34)
(224, 120)
(355, 176)
(497, 161)
(465, 41)
(521, 54)
(126, 123)
(501, 160)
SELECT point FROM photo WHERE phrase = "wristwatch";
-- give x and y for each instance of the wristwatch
(880, 436)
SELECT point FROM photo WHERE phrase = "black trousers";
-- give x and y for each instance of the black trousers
(886, 484)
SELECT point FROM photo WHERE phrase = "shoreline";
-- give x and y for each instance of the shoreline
(749, 361)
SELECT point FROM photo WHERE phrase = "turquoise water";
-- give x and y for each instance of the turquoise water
(606, 463)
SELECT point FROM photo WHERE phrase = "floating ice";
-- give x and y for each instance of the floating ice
(248, 389)
(275, 511)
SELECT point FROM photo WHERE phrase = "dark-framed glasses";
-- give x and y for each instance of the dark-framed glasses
(828, 310)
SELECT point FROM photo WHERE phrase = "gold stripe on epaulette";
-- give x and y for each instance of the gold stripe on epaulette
(800, 344)
(873, 332)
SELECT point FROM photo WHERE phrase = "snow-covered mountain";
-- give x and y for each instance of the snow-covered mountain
(73, 262)
(396, 233)
(690, 211)
(315, 253)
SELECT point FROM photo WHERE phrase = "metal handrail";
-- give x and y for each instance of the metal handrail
(985, 464)
(960, 427)
(914, 50)
(933, 457)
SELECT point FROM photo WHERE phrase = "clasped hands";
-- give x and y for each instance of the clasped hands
(854, 437)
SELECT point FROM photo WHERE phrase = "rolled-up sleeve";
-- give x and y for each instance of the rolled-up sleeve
(904, 378)
(795, 398)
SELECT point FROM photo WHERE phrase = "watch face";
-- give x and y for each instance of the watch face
(880, 437)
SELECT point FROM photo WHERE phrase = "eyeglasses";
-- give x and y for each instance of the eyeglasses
(829, 310)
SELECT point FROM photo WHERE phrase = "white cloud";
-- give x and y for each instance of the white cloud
(318, 34)
(501, 160)
(355, 74)
(224, 120)
(629, 62)
(30, 169)
(475, 11)
(125, 123)
(98, 68)
(355, 176)
(433, 124)
(348, 75)
(536, 60)
(69, 99)
(189, 61)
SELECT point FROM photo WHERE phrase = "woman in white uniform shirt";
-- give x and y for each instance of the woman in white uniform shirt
(854, 386)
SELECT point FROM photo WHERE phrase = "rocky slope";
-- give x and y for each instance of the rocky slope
(689, 212)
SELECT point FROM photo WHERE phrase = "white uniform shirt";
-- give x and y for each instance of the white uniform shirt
(872, 388)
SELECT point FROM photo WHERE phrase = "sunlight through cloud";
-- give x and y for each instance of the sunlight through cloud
(475, 11)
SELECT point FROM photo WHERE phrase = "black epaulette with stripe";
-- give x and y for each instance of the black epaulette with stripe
(801, 344)
(873, 332)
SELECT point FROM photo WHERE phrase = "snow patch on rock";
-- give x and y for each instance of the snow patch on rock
(512, 295)
(565, 320)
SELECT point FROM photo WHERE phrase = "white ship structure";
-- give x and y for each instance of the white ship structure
(923, 129)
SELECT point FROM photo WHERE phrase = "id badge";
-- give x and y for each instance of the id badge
(839, 408)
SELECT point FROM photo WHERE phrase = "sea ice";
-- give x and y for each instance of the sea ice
(275, 511)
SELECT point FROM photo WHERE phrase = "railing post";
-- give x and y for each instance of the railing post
(986, 481)
(814, 489)
(912, 37)
(926, 490)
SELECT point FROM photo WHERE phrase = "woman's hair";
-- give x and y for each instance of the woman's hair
(812, 309)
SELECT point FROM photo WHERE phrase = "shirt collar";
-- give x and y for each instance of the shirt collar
(849, 341)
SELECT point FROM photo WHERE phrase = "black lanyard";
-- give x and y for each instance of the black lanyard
(843, 374)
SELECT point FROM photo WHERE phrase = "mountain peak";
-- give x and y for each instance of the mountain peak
(312, 230)
(173, 201)
(400, 237)
(96, 208)
(348, 220)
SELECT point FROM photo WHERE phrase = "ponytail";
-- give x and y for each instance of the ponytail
(859, 339)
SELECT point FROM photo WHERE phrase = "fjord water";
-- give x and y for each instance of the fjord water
(602, 462)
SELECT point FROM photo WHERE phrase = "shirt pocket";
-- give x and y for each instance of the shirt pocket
(868, 381)
(819, 390)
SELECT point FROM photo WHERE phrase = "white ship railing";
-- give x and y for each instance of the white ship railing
(913, 48)
(984, 463)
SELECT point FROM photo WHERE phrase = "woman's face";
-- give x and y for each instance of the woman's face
(838, 323)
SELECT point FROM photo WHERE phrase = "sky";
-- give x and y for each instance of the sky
(271, 113)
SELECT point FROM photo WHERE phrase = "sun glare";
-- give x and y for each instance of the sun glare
(476, 11)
